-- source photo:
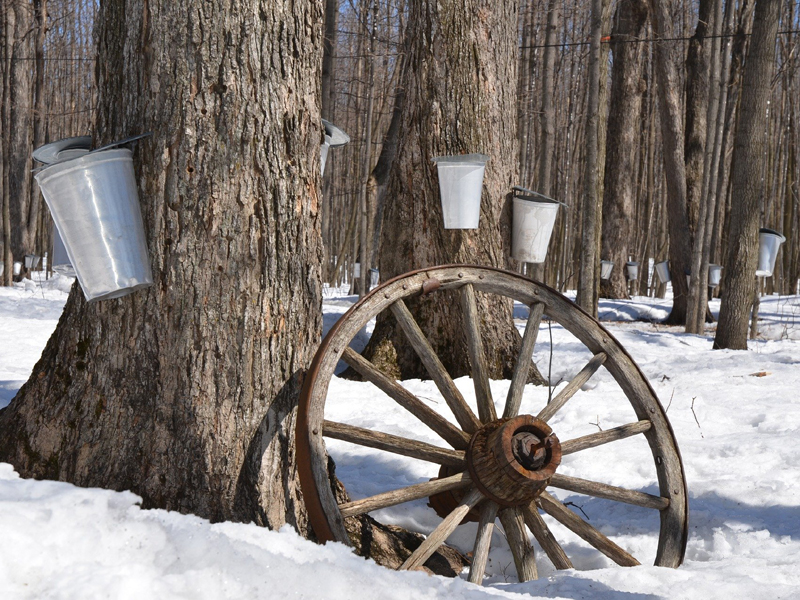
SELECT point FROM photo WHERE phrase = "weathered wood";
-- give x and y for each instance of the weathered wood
(442, 532)
(477, 359)
(464, 415)
(480, 552)
(406, 494)
(609, 492)
(522, 367)
(544, 536)
(393, 443)
(448, 432)
(587, 532)
(604, 437)
(520, 545)
(572, 387)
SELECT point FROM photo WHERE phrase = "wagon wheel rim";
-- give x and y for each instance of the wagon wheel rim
(327, 517)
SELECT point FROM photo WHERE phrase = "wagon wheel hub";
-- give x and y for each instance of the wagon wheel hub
(512, 460)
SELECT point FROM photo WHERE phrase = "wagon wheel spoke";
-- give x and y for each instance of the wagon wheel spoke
(609, 492)
(522, 367)
(444, 428)
(604, 437)
(442, 532)
(544, 536)
(520, 545)
(573, 386)
(393, 443)
(587, 532)
(406, 494)
(477, 358)
(464, 415)
(480, 552)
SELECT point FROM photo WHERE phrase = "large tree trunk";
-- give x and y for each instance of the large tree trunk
(460, 97)
(185, 393)
(748, 157)
(674, 168)
(624, 129)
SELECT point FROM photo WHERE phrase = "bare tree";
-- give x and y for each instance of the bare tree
(748, 160)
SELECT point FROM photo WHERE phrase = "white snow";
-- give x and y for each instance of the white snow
(735, 415)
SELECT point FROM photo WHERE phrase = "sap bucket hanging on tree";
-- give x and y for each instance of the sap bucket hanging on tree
(633, 270)
(534, 217)
(460, 186)
(606, 266)
(662, 270)
(95, 205)
(714, 275)
(334, 137)
(61, 262)
(769, 242)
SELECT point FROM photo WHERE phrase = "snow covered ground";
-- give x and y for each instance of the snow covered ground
(736, 416)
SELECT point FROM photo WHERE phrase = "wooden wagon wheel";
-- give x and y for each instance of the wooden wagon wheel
(501, 466)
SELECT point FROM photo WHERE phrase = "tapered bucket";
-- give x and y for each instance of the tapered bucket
(17, 268)
(95, 206)
(61, 262)
(632, 268)
(662, 270)
(714, 275)
(2, 267)
(323, 154)
(532, 227)
(334, 137)
(31, 261)
(769, 242)
(460, 186)
(374, 277)
(606, 266)
(356, 270)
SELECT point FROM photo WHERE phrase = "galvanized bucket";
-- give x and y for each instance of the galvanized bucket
(633, 270)
(323, 153)
(714, 275)
(31, 261)
(606, 266)
(374, 277)
(769, 242)
(532, 226)
(61, 262)
(662, 270)
(17, 268)
(95, 206)
(460, 186)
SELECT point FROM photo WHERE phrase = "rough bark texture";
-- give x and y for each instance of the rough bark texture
(185, 393)
(748, 157)
(460, 98)
(624, 127)
(674, 168)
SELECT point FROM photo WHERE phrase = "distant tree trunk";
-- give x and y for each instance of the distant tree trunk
(624, 127)
(185, 393)
(748, 157)
(6, 55)
(587, 281)
(328, 46)
(674, 166)
(365, 253)
(460, 98)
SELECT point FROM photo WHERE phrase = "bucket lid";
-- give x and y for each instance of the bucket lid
(338, 137)
(462, 159)
(773, 232)
(526, 194)
(65, 149)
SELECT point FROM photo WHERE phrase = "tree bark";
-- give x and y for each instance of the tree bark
(328, 47)
(748, 157)
(674, 166)
(185, 393)
(460, 98)
(587, 281)
(624, 129)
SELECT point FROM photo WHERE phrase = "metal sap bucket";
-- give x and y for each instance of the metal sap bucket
(769, 242)
(95, 206)
(374, 277)
(31, 261)
(2, 267)
(460, 186)
(356, 270)
(714, 275)
(633, 270)
(334, 137)
(17, 268)
(662, 270)
(606, 266)
(61, 262)
(534, 217)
